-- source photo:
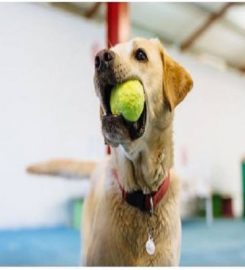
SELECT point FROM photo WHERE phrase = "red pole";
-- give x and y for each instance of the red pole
(118, 23)
(118, 27)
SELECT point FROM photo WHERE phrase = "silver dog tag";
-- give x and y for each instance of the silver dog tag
(150, 246)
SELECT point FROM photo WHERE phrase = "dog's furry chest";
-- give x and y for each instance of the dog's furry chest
(127, 234)
(118, 231)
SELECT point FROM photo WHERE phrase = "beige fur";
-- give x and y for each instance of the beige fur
(63, 167)
(114, 232)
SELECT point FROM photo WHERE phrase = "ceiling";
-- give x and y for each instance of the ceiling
(221, 39)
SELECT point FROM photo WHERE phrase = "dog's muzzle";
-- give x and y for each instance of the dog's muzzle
(116, 129)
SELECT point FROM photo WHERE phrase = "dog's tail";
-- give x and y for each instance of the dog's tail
(67, 168)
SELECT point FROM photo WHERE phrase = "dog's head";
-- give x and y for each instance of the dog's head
(165, 84)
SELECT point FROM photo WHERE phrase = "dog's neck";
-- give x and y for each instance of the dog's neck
(148, 168)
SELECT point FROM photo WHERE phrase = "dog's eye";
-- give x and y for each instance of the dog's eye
(140, 55)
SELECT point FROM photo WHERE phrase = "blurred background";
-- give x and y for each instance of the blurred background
(49, 110)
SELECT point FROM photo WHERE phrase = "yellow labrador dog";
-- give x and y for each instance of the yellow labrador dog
(131, 214)
(132, 211)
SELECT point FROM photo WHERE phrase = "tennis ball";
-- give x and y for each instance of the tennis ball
(127, 99)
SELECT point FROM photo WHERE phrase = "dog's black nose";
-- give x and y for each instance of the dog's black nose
(104, 59)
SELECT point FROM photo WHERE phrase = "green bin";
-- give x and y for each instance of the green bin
(77, 209)
(217, 205)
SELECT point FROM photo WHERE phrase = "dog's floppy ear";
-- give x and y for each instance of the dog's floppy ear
(177, 82)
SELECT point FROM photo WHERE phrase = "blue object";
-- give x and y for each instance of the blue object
(222, 244)
(57, 246)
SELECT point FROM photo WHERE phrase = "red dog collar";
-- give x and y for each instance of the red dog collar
(145, 202)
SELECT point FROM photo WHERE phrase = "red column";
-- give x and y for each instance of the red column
(118, 23)
(118, 26)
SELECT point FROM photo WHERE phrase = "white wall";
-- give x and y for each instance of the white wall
(49, 109)
(210, 127)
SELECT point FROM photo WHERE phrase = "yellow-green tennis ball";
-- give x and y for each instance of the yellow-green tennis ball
(127, 99)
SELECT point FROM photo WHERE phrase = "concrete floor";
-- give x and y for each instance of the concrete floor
(222, 244)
